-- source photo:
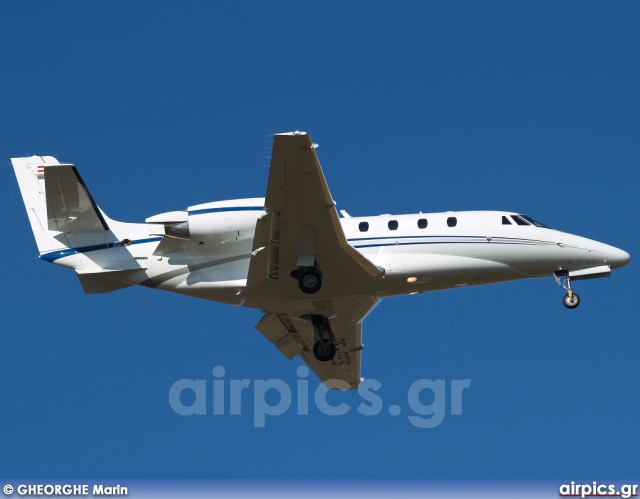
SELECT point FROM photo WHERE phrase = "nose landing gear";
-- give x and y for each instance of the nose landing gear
(571, 299)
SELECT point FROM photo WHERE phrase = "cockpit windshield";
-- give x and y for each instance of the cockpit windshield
(534, 222)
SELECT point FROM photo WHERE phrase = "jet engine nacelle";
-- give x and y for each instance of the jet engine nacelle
(221, 221)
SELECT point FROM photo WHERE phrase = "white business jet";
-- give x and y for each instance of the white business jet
(314, 275)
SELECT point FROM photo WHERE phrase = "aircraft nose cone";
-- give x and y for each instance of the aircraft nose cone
(617, 258)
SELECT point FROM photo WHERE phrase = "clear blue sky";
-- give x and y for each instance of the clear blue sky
(417, 106)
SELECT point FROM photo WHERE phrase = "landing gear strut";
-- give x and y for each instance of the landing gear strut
(324, 348)
(571, 299)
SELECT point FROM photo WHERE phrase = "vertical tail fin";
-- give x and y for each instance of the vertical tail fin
(70, 207)
(59, 206)
(30, 175)
(69, 228)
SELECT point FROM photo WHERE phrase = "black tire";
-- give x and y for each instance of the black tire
(324, 351)
(310, 282)
(571, 301)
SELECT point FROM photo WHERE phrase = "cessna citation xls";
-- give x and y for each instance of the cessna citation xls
(314, 275)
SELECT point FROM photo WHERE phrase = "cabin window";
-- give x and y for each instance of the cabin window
(452, 221)
(364, 226)
(519, 221)
(393, 225)
(505, 221)
(422, 223)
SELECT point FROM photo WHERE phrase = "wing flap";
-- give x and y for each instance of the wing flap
(263, 246)
(273, 328)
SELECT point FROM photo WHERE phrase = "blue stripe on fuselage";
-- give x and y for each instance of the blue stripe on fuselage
(52, 256)
(55, 255)
(417, 243)
(420, 240)
(479, 238)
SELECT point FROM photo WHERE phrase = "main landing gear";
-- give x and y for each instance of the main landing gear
(324, 342)
(324, 347)
(310, 281)
(571, 299)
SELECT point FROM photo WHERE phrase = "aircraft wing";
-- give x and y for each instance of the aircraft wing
(301, 229)
(294, 336)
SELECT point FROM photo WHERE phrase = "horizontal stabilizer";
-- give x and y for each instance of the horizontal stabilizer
(101, 282)
(70, 207)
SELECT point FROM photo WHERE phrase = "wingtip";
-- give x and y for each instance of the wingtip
(293, 133)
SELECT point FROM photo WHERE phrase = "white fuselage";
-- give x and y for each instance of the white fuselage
(313, 275)
(449, 250)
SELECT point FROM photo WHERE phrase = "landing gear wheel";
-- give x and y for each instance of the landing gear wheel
(310, 282)
(571, 300)
(324, 350)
